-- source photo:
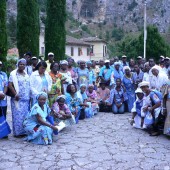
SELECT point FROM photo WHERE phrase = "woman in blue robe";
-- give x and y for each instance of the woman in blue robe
(129, 86)
(38, 129)
(19, 84)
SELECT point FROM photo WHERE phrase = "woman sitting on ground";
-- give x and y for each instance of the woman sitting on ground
(103, 94)
(151, 109)
(73, 101)
(117, 98)
(137, 120)
(85, 106)
(62, 112)
(92, 97)
(38, 129)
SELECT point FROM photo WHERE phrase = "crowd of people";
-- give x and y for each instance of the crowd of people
(47, 96)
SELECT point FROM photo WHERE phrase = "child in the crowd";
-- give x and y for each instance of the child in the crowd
(62, 112)
(92, 97)
(137, 120)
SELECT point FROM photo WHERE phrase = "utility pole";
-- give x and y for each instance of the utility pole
(145, 29)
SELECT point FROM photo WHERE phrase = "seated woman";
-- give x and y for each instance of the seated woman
(103, 94)
(151, 109)
(92, 97)
(36, 126)
(137, 120)
(61, 111)
(73, 101)
(117, 98)
(86, 109)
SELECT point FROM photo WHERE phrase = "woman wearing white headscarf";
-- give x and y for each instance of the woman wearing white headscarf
(157, 79)
(19, 84)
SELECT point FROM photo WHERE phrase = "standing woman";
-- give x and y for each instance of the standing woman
(19, 84)
(40, 80)
(67, 79)
(129, 86)
(56, 83)
(83, 74)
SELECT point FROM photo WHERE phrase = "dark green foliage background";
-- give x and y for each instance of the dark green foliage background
(3, 31)
(55, 33)
(28, 27)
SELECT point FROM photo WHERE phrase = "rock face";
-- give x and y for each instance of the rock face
(127, 14)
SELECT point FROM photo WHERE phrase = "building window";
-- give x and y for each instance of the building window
(88, 51)
(42, 50)
(72, 51)
(79, 51)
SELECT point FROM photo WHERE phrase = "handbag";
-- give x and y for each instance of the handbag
(4, 127)
(9, 92)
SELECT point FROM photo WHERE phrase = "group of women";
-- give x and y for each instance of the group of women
(67, 94)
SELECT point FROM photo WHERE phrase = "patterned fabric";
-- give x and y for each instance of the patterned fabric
(130, 90)
(66, 110)
(103, 94)
(73, 104)
(37, 133)
(83, 76)
(117, 96)
(3, 84)
(92, 97)
(20, 109)
(56, 87)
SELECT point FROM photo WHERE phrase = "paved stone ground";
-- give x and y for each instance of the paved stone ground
(104, 142)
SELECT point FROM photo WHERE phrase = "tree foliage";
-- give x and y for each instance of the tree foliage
(12, 31)
(133, 47)
(3, 31)
(55, 33)
(28, 28)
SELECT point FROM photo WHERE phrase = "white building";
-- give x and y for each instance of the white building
(86, 49)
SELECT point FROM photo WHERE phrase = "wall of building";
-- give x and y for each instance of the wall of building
(76, 57)
(99, 50)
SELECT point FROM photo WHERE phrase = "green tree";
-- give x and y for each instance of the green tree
(155, 46)
(3, 31)
(12, 32)
(28, 28)
(55, 33)
(117, 34)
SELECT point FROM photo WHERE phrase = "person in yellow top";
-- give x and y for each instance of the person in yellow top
(49, 61)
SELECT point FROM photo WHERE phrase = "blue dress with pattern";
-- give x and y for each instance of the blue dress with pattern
(21, 108)
(73, 104)
(130, 90)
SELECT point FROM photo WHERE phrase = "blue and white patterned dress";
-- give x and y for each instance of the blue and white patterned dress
(21, 108)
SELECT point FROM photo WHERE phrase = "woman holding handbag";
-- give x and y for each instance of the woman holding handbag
(19, 84)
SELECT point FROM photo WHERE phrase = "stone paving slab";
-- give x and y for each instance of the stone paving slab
(104, 142)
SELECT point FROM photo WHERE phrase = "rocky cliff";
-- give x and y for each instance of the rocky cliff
(127, 14)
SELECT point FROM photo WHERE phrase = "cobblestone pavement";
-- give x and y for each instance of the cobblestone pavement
(104, 142)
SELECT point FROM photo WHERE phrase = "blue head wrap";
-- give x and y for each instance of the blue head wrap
(21, 60)
(41, 94)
